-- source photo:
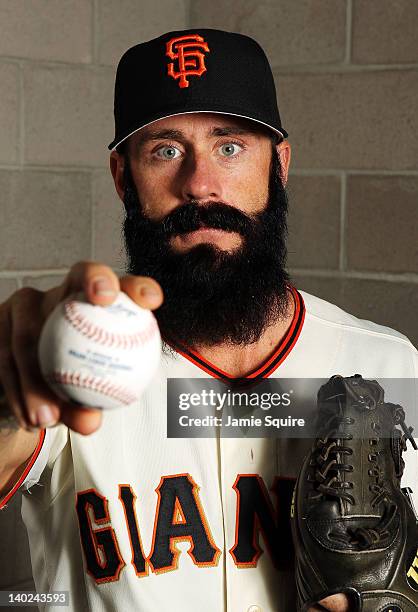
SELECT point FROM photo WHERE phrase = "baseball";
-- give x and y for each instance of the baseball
(99, 356)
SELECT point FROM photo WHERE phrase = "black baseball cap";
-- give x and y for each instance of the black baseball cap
(190, 71)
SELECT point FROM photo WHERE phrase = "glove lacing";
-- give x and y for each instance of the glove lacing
(328, 468)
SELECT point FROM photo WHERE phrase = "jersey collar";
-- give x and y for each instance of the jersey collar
(283, 349)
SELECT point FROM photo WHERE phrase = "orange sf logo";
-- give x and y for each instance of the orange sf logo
(191, 61)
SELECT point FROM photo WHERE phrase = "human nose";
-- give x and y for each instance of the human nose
(200, 180)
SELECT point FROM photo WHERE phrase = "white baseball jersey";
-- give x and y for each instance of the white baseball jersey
(126, 519)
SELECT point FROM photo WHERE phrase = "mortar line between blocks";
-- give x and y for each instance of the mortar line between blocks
(343, 212)
(188, 13)
(92, 215)
(95, 32)
(20, 274)
(21, 115)
(402, 277)
(348, 32)
(338, 68)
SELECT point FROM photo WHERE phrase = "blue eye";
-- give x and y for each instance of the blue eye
(168, 152)
(228, 149)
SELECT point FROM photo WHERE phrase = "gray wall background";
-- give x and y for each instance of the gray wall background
(347, 78)
(346, 73)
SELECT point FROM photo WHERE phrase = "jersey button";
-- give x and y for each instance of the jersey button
(254, 609)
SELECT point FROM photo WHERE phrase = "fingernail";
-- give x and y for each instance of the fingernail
(148, 291)
(45, 416)
(102, 286)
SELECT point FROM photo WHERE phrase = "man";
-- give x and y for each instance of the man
(200, 160)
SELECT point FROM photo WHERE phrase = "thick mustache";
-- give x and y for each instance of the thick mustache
(190, 217)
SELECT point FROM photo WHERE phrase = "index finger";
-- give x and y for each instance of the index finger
(143, 290)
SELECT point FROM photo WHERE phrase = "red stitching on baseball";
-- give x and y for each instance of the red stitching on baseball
(102, 336)
(76, 379)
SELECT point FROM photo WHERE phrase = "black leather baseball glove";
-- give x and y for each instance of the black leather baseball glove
(354, 529)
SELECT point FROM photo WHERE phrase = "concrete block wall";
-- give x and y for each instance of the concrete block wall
(347, 79)
(57, 200)
(346, 74)
(57, 70)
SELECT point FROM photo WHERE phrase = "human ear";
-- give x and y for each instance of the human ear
(117, 166)
(284, 153)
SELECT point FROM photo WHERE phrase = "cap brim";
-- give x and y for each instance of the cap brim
(117, 142)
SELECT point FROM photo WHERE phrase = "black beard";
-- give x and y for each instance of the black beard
(212, 296)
